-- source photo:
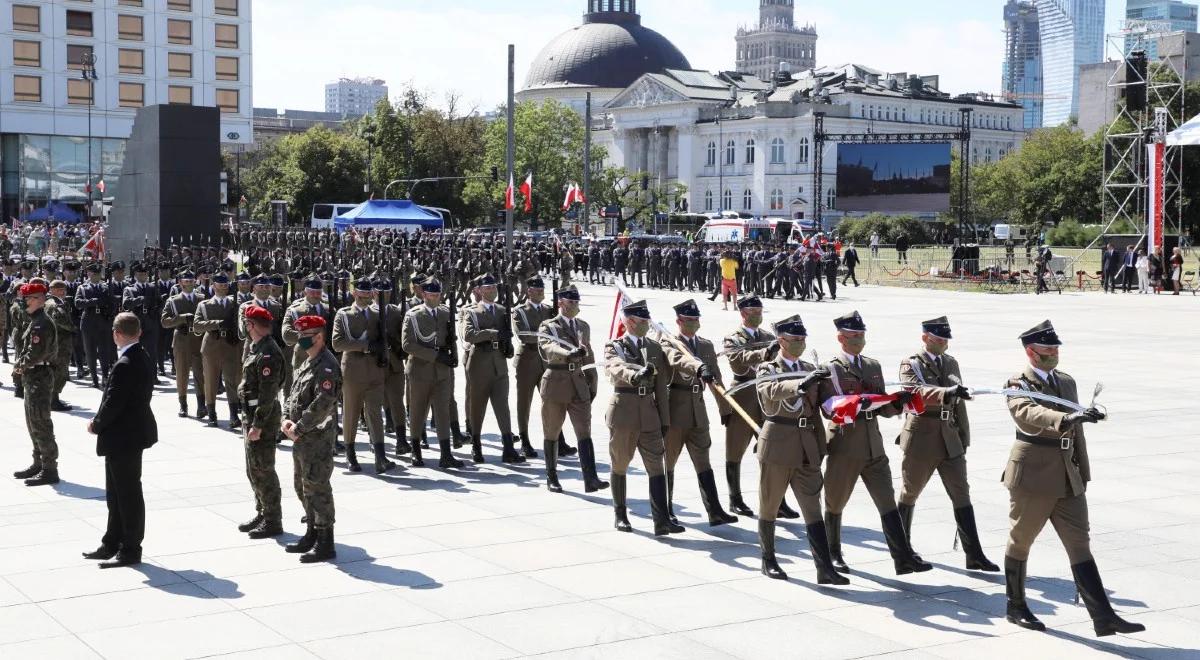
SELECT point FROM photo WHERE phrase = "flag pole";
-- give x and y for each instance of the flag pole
(587, 163)
(508, 213)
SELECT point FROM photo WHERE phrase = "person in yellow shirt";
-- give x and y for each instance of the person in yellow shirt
(728, 291)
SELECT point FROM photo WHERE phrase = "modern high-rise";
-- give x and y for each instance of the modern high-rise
(1022, 74)
(1072, 33)
(1162, 16)
(776, 39)
(145, 52)
(354, 97)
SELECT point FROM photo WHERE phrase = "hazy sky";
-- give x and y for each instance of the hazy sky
(460, 45)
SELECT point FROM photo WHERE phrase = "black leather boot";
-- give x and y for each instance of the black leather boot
(1018, 611)
(402, 446)
(527, 448)
(509, 453)
(183, 407)
(31, 471)
(833, 526)
(417, 459)
(712, 502)
(447, 460)
(903, 557)
(459, 438)
(671, 498)
(382, 464)
(58, 405)
(323, 549)
(563, 448)
(19, 390)
(235, 416)
(201, 409)
(587, 463)
(659, 508)
(352, 458)
(212, 418)
(1104, 620)
(818, 544)
(476, 449)
(251, 524)
(620, 515)
(267, 529)
(304, 543)
(906, 518)
(733, 476)
(47, 477)
(968, 535)
(786, 512)
(551, 449)
(766, 541)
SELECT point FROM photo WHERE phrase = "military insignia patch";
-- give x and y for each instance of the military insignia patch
(326, 384)
(266, 371)
(36, 339)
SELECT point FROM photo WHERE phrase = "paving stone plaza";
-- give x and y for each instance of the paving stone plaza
(485, 563)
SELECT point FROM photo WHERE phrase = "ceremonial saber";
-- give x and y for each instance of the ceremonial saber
(717, 389)
(1017, 392)
(557, 340)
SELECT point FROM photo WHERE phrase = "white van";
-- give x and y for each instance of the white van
(1015, 232)
(323, 214)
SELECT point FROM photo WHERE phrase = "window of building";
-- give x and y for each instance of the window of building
(750, 152)
(79, 23)
(179, 65)
(226, 7)
(132, 95)
(227, 68)
(747, 200)
(179, 95)
(228, 101)
(708, 201)
(130, 28)
(227, 36)
(27, 18)
(79, 92)
(131, 61)
(27, 89)
(712, 154)
(27, 53)
(76, 54)
(830, 198)
(727, 200)
(130, 3)
(179, 5)
(730, 152)
(803, 149)
(777, 200)
(179, 32)
(777, 153)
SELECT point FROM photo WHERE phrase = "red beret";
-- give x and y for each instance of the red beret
(309, 323)
(32, 289)
(259, 314)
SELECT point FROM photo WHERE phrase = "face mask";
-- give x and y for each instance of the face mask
(536, 298)
(936, 348)
(570, 310)
(489, 295)
(640, 329)
(690, 327)
(794, 347)
(753, 320)
(854, 345)
(305, 343)
(1046, 362)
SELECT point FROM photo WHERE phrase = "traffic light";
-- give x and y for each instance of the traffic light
(495, 175)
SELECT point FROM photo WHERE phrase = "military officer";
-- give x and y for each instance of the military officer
(568, 388)
(937, 439)
(638, 415)
(791, 448)
(487, 331)
(693, 362)
(309, 412)
(141, 298)
(258, 393)
(856, 449)
(35, 356)
(358, 336)
(178, 315)
(1046, 477)
(216, 321)
(97, 310)
(427, 341)
(527, 319)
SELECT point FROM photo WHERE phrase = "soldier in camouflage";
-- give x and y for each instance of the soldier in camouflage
(36, 349)
(262, 376)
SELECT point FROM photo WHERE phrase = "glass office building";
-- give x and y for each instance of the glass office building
(1172, 15)
(1072, 34)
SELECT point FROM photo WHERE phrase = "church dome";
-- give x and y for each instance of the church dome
(610, 50)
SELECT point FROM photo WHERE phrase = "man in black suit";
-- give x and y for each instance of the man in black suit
(1110, 265)
(124, 426)
(851, 260)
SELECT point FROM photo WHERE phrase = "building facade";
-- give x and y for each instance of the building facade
(775, 40)
(146, 52)
(1167, 15)
(742, 144)
(1072, 33)
(1022, 72)
(354, 97)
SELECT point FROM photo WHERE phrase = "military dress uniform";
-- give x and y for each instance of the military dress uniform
(937, 440)
(178, 315)
(220, 351)
(394, 376)
(258, 392)
(36, 350)
(357, 335)
(95, 325)
(527, 320)
(487, 331)
(426, 339)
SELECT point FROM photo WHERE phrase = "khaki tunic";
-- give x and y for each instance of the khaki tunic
(486, 366)
(394, 377)
(743, 362)
(177, 315)
(430, 383)
(689, 417)
(790, 454)
(637, 415)
(221, 348)
(936, 440)
(356, 335)
(567, 388)
(530, 365)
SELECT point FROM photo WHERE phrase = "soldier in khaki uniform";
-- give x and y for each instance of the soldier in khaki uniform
(567, 388)
(178, 315)
(487, 330)
(527, 319)
(693, 362)
(357, 335)
(217, 321)
(393, 378)
(426, 339)
(312, 303)
(937, 440)
(260, 296)
(1046, 476)
(791, 448)
(258, 393)
(35, 364)
(746, 348)
(638, 415)
(310, 409)
(856, 450)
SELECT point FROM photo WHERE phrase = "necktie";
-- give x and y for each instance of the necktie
(692, 344)
(1051, 380)
(937, 361)
(858, 363)
(573, 330)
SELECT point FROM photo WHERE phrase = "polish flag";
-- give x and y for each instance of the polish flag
(616, 328)
(527, 191)
(100, 186)
(845, 408)
(571, 188)
(95, 244)
(510, 202)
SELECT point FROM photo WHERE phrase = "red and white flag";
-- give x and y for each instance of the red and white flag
(100, 186)
(570, 199)
(95, 245)
(527, 191)
(844, 409)
(510, 201)
(616, 329)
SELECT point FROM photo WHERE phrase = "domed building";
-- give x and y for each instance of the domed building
(604, 55)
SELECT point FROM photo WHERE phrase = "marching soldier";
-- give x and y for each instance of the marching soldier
(639, 415)
(311, 407)
(567, 388)
(693, 362)
(426, 339)
(358, 336)
(937, 439)
(35, 357)
(394, 378)
(258, 392)
(178, 315)
(856, 450)
(216, 321)
(791, 448)
(487, 331)
(528, 319)
(1047, 477)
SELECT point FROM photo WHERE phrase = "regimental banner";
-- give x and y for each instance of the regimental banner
(1156, 195)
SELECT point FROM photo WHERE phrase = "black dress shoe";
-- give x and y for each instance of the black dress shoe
(103, 552)
(123, 559)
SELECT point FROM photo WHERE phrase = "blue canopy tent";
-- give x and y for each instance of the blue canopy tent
(56, 212)
(389, 214)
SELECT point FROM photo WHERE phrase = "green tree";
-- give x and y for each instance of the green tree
(316, 166)
(617, 186)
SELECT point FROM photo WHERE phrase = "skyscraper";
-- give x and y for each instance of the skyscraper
(1072, 34)
(1168, 15)
(1022, 75)
(776, 39)
(354, 97)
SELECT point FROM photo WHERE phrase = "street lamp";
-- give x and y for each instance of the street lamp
(368, 133)
(89, 74)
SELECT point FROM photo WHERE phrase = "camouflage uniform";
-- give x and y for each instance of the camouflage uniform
(59, 313)
(262, 376)
(35, 355)
(311, 404)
